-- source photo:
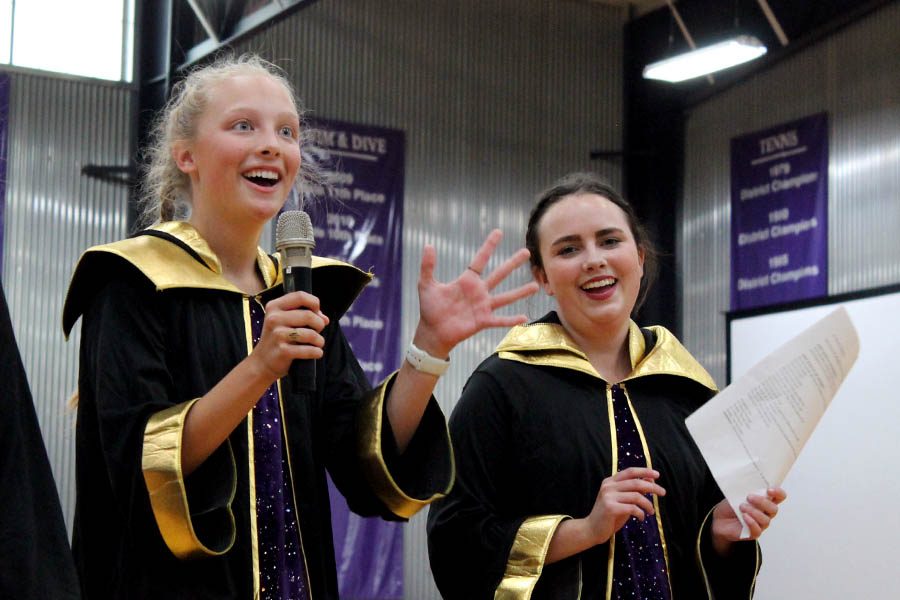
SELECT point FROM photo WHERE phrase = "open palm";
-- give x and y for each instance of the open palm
(454, 311)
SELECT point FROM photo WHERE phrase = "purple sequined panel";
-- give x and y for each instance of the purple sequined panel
(639, 569)
(282, 574)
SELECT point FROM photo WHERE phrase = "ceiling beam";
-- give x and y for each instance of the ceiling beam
(234, 31)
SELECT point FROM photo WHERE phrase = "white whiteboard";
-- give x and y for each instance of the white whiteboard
(836, 537)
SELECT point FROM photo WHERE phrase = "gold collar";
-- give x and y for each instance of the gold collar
(549, 344)
(174, 255)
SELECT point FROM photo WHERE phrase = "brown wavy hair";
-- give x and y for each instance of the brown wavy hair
(590, 183)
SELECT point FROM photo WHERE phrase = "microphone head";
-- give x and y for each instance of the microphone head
(294, 229)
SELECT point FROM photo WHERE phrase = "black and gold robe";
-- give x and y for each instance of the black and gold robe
(534, 437)
(161, 326)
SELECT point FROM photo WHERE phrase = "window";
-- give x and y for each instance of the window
(92, 38)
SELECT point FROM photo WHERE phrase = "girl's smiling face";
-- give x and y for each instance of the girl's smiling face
(245, 152)
(591, 263)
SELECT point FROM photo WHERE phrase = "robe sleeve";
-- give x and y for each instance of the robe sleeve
(476, 550)
(362, 455)
(733, 576)
(139, 416)
(195, 520)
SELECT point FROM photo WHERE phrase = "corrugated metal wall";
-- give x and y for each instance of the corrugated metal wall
(854, 76)
(56, 126)
(497, 99)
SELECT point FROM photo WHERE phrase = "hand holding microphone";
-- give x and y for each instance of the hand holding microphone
(294, 240)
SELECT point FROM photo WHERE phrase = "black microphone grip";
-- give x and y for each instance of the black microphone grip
(302, 373)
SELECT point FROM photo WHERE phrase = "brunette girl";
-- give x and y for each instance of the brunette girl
(576, 475)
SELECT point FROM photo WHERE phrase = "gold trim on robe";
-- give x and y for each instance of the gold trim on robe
(371, 425)
(187, 261)
(548, 344)
(614, 464)
(161, 464)
(657, 514)
(526, 557)
(254, 527)
(707, 522)
(545, 344)
(251, 460)
(669, 357)
(699, 554)
(168, 265)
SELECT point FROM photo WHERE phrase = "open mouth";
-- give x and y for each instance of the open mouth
(597, 285)
(262, 177)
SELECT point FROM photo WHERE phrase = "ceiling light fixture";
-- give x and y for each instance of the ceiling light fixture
(706, 60)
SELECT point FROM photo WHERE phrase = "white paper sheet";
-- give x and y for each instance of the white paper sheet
(752, 432)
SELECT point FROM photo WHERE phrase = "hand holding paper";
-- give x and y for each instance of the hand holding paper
(752, 432)
(755, 517)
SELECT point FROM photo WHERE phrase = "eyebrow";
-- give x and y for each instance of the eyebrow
(574, 237)
(292, 116)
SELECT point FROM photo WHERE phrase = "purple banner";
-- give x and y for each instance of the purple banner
(361, 222)
(779, 214)
(4, 133)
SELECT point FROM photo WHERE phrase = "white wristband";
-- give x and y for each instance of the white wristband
(422, 361)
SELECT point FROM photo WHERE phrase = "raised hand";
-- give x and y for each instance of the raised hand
(452, 312)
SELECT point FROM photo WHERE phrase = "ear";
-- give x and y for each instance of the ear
(541, 277)
(641, 254)
(184, 157)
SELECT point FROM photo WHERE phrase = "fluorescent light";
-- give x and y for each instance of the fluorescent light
(703, 61)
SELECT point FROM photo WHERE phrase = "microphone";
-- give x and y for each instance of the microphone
(294, 240)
